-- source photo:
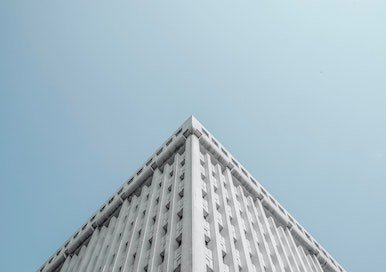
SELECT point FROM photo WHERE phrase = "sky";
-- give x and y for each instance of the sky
(295, 90)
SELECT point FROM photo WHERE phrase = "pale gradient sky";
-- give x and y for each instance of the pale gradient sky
(296, 90)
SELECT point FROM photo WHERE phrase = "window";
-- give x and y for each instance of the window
(234, 162)
(168, 142)
(180, 215)
(179, 240)
(220, 227)
(181, 193)
(264, 192)
(203, 193)
(214, 141)
(205, 215)
(178, 131)
(178, 268)
(149, 161)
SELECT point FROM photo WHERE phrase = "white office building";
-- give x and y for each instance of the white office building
(191, 207)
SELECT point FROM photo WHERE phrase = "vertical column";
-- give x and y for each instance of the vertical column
(317, 264)
(172, 251)
(80, 257)
(230, 259)
(250, 236)
(193, 234)
(269, 237)
(116, 237)
(74, 259)
(106, 244)
(295, 251)
(304, 258)
(263, 245)
(98, 246)
(89, 253)
(287, 250)
(66, 264)
(246, 263)
(126, 236)
(214, 214)
(158, 232)
(135, 231)
(279, 245)
(144, 245)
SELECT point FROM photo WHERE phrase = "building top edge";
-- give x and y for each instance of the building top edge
(278, 210)
(190, 126)
(157, 158)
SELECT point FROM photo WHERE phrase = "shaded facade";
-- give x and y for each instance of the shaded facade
(192, 207)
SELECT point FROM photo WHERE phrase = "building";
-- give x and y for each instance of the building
(191, 207)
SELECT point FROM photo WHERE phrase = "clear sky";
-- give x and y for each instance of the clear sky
(296, 90)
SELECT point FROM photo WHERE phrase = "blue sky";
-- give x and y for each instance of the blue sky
(294, 89)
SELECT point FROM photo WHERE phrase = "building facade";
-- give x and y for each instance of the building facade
(191, 207)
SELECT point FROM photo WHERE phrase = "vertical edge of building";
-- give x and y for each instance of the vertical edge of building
(191, 207)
